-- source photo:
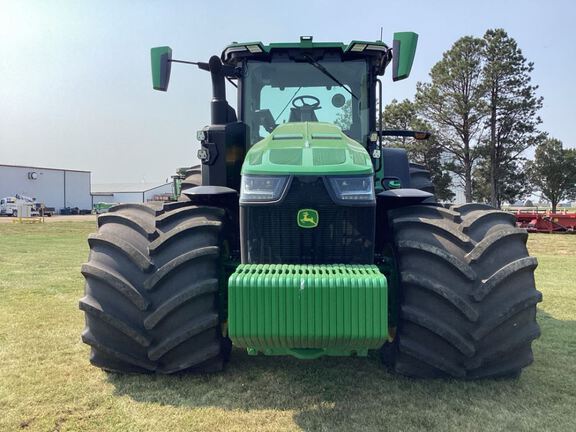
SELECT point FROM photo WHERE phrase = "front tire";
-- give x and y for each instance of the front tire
(468, 299)
(153, 282)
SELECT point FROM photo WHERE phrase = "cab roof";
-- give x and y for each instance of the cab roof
(377, 50)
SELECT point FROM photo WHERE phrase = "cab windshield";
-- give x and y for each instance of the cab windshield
(328, 90)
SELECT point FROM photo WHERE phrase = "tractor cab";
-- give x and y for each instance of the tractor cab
(308, 82)
(285, 83)
(313, 82)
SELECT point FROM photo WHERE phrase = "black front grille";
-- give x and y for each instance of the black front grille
(271, 234)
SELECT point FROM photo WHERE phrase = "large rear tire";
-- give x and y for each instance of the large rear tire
(193, 177)
(468, 299)
(420, 178)
(153, 283)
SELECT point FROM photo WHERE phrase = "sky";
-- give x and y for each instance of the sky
(75, 81)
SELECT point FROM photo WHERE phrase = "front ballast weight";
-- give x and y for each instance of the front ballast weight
(308, 311)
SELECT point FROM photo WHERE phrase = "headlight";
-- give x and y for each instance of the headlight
(262, 188)
(353, 190)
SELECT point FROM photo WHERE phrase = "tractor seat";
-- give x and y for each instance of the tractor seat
(303, 114)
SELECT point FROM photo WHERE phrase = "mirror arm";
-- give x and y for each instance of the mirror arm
(201, 65)
(229, 71)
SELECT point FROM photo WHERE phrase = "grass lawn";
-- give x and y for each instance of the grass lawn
(47, 384)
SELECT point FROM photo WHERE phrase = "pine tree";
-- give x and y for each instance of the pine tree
(512, 120)
(514, 182)
(454, 105)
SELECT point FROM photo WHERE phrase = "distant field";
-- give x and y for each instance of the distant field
(47, 384)
(70, 218)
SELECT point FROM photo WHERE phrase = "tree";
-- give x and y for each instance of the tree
(344, 117)
(403, 115)
(182, 171)
(454, 105)
(514, 182)
(553, 171)
(512, 120)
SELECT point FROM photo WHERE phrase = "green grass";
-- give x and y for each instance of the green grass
(47, 384)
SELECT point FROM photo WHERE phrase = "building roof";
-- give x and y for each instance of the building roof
(43, 168)
(111, 188)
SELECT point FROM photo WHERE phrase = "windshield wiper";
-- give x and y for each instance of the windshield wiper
(286, 106)
(328, 74)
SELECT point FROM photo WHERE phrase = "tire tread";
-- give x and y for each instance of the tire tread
(474, 318)
(152, 289)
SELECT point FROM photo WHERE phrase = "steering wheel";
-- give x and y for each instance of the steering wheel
(303, 104)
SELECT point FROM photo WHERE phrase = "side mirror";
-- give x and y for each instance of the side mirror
(161, 62)
(403, 52)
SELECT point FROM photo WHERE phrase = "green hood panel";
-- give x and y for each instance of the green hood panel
(308, 148)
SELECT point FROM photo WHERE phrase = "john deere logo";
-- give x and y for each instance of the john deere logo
(308, 218)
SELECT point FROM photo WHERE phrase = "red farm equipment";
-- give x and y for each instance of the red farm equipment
(539, 221)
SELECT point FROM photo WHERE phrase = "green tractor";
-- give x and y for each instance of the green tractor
(303, 235)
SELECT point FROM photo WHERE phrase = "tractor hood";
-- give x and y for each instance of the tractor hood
(308, 148)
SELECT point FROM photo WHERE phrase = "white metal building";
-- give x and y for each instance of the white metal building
(57, 188)
(459, 195)
(130, 192)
